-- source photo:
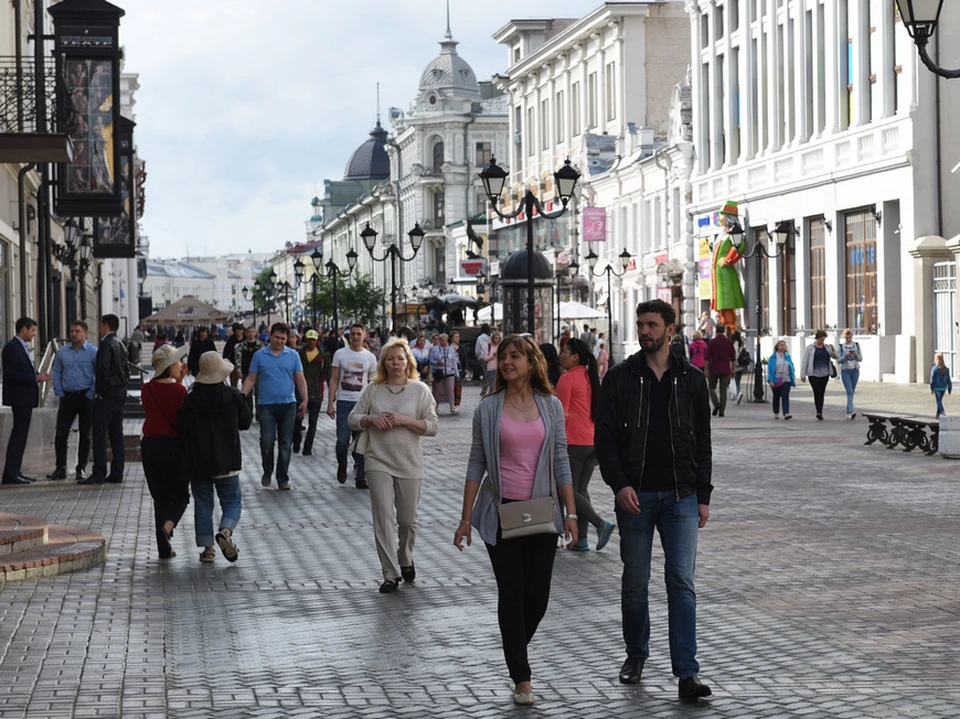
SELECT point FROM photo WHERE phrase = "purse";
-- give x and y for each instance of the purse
(833, 369)
(361, 441)
(529, 516)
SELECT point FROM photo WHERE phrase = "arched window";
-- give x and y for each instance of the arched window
(438, 156)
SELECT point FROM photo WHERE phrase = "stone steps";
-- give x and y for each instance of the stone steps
(31, 548)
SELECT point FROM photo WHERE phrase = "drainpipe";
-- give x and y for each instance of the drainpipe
(22, 204)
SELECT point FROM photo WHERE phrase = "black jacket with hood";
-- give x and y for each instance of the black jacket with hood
(621, 426)
(210, 420)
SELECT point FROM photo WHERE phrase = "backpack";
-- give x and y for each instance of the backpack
(743, 359)
(698, 350)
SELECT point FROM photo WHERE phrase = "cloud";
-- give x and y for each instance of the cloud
(245, 107)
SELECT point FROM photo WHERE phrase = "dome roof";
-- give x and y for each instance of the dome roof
(370, 160)
(449, 73)
(515, 267)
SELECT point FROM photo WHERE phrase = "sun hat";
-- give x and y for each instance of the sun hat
(165, 356)
(213, 368)
(312, 335)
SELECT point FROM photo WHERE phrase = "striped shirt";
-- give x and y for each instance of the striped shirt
(73, 370)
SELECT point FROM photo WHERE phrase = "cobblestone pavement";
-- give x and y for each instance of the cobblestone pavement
(827, 581)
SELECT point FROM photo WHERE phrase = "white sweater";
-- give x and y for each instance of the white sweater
(397, 451)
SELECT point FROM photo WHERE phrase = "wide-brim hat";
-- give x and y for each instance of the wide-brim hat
(213, 368)
(165, 356)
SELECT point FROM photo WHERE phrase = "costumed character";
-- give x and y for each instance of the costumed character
(727, 295)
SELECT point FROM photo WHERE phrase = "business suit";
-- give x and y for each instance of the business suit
(21, 394)
(111, 393)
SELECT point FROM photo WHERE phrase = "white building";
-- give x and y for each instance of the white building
(820, 114)
(218, 281)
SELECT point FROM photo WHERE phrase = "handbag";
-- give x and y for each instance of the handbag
(743, 359)
(529, 516)
(361, 441)
(833, 369)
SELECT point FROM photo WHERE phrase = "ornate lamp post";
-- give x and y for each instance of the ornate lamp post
(369, 236)
(299, 269)
(920, 17)
(283, 289)
(332, 272)
(759, 250)
(572, 269)
(246, 296)
(494, 177)
(316, 257)
(625, 258)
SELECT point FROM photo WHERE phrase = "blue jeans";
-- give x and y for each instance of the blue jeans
(782, 394)
(344, 436)
(850, 377)
(938, 393)
(276, 423)
(676, 521)
(228, 490)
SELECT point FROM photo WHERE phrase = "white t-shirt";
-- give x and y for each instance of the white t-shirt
(357, 369)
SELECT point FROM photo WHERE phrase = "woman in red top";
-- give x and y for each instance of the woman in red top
(161, 445)
(578, 390)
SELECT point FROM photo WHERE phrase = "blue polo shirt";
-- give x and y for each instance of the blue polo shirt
(275, 375)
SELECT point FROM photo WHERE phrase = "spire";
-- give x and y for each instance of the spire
(378, 102)
(449, 35)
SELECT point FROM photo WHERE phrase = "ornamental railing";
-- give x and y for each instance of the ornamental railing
(18, 99)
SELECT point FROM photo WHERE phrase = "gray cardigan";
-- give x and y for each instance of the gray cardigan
(485, 460)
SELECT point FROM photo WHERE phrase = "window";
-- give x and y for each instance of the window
(818, 274)
(761, 236)
(611, 80)
(531, 123)
(592, 100)
(788, 286)
(480, 205)
(575, 109)
(484, 153)
(518, 136)
(860, 229)
(438, 156)
(558, 116)
(438, 209)
(545, 125)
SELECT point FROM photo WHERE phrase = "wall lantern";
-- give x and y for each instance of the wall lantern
(117, 236)
(87, 51)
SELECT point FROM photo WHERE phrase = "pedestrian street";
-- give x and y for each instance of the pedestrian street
(827, 586)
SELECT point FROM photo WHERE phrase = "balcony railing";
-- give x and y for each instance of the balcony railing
(18, 99)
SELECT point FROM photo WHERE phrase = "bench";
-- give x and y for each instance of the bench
(906, 430)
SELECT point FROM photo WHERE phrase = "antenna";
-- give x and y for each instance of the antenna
(449, 34)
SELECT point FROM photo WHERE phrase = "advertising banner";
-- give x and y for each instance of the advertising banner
(594, 224)
(705, 259)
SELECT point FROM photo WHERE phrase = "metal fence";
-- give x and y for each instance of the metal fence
(18, 99)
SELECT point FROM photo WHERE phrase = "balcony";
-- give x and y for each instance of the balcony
(21, 140)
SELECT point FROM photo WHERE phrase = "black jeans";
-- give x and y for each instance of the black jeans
(313, 412)
(17, 444)
(167, 482)
(523, 568)
(73, 405)
(819, 385)
(108, 422)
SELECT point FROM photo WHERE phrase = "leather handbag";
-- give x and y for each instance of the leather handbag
(361, 441)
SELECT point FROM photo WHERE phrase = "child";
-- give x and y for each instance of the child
(940, 382)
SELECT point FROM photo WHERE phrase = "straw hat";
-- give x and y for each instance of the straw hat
(213, 368)
(165, 356)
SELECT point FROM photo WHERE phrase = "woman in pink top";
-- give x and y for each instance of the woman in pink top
(579, 391)
(698, 351)
(490, 357)
(519, 452)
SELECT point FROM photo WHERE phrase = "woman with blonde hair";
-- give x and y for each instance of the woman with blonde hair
(519, 453)
(393, 413)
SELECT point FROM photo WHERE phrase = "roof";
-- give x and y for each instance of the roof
(188, 310)
(179, 270)
(449, 73)
(370, 161)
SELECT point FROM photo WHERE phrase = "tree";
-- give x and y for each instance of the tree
(358, 300)
(263, 298)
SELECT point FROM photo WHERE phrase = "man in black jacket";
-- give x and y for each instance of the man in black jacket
(653, 442)
(21, 394)
(229, 348)
(200, 344)
(110, 392)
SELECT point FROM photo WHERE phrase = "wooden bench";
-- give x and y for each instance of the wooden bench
(906, 430)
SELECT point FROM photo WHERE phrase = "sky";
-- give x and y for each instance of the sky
(245, 106)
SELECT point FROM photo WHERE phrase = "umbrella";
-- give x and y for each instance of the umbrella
(578, 311)
(452, 301)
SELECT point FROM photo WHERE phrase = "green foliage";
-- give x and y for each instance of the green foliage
(357, 299)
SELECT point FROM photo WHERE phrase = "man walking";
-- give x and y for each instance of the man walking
(200, 344)
(480, 350)
(21, 393)
(74, 378)
(243, 353)
(721, 362)
(229, 349)
(110, 392)
(653, 442)
(280, 374)
(353, 368)
(316, 373)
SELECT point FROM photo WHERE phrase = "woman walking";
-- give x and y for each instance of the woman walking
(490, 357)
(698, 351)
(394, 412)
(817, 361)
(554, 369)
(161, 446)
(940, 382)
(461, 375)
(210, 421)
(850, 359)
(519, 452)
(445, 367)
(579, 392)
(781, 377)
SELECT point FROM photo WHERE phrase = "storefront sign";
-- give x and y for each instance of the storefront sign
(594, 224)
(473, 267)
(705, 259)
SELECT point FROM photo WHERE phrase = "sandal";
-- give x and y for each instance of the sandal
(227, 546)
(208, 555)
(390, 585)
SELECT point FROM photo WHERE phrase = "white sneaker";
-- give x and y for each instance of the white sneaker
(739, 397)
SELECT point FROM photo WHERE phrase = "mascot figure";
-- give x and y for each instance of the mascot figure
(727, 295)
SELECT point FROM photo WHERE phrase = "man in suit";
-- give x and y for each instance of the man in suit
(21, 394)
(110, 393)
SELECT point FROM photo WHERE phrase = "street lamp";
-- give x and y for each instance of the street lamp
(625, 258)
(572, 269)
(332, 271)
(316, 257)
(494, 177)
(920, 17)
(369, 236)
(245, 291)
(284, 289)
(781, 233)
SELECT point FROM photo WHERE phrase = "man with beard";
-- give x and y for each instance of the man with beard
(653, 442)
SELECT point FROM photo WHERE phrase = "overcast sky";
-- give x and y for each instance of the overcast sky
(246, 106)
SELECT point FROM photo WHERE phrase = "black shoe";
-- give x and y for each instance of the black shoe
(362, 484)
(14, 480)
(693, 688)
(25, 477)
(296, 449)
(80, 474)
(115, 480)
(716, 411)
(631, 670)
(307, 452)
(92, 479)
(819, 416)
(342, 475)
(408, 573)
(721, 414)
(57, 474)
(390, 585)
